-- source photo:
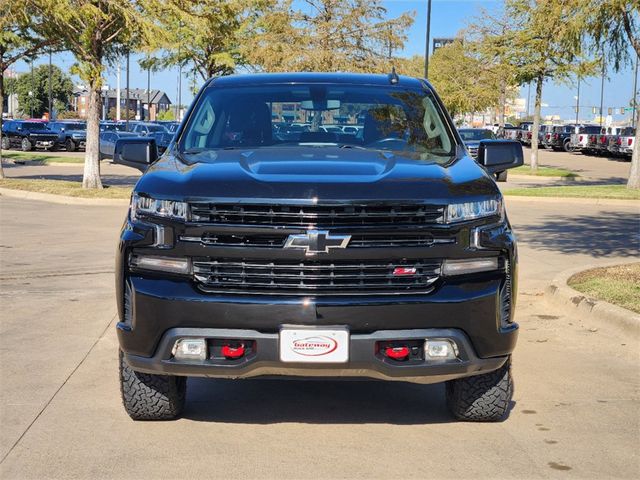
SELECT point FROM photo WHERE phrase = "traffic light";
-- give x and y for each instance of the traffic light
(610, 111)
(622, 110)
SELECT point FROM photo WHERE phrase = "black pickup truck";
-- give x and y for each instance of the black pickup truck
(560, 138)
(387, 255)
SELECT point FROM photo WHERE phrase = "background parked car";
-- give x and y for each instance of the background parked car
(580, 139)
(108, 139)
(27, 135)
(71, 135)
(472, 137)
(624, 142)
(560, 138)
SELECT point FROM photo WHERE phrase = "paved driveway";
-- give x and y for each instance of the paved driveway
(575, 413)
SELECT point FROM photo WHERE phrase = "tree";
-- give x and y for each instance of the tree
(463, 80)
(540, 40)
(95, 31)
(326, 35)
(38, 85)
(204, 36)
(613, 26)
(17, 41)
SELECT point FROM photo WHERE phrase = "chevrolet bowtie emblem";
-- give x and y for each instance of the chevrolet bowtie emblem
(317, 241)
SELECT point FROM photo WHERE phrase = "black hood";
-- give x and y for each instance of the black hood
(315, 174)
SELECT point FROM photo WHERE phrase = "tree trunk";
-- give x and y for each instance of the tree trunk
(634, 174)
(91, 177)
(503, 100)
(1, 110)
(536, 124)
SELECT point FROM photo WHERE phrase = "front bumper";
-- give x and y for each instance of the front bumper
(364, 361)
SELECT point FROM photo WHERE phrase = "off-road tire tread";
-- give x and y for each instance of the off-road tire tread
(151, 397)
(481, 398)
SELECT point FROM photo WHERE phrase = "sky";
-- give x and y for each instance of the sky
(447, 17)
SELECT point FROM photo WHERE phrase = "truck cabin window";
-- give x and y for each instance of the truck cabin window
(405, 121)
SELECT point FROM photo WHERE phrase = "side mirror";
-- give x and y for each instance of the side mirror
(135, 152)
(499, 155)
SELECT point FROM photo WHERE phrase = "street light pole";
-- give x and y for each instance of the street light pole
(578, 101)
(635, 94)
(602, 91)
(149, 94)
(426, 55)
(32, 90)
(50, 89)
(126, 106)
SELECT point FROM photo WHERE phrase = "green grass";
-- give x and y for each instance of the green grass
(41, 157)
(544, 172)
(619, 285)
(63, 187)
(620, 192)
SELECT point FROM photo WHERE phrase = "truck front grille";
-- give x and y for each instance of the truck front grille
(315, 277)
(315, 215)
(387, 240)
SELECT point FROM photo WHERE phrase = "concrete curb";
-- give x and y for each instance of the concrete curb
(571, 301)
(583, 201)
(61, 199)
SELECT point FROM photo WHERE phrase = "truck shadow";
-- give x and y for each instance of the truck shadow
(315, 402)
(607, 234)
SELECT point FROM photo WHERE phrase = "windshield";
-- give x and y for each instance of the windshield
(474, 134)
(314, 115)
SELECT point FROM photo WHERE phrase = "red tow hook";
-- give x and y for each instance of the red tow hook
(397, 353)
(233, 352)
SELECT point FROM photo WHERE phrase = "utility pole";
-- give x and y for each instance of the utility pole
(528, 99)
(149, 94)
(179, 92)
(50, 89)
(578, 101)
(426, 54)
(635, 94)
(126, 107)
(602, 91)
(118, 90)
(33, 90)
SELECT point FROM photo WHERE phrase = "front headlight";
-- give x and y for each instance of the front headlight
(460, 212)
(147, 206)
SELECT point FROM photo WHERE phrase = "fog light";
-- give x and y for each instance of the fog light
(190, 349)
(440, 349)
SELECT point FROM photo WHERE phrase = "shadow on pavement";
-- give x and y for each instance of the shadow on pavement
(608, 234)
(264, 401)
(315, 402)
(119, 180)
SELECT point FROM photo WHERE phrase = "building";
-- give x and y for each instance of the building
(146, 104)
(10, 102)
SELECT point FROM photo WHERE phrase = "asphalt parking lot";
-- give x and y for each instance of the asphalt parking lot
(576, 410)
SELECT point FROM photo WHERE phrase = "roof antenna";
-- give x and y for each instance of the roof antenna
(393, 76)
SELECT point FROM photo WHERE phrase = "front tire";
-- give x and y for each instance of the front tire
(481, 398)
(4, 144)
(70, 145)
(567, 146)
(151, 397)
(26, 145)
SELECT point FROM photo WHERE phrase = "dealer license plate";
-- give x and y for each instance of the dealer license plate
(314, 345)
